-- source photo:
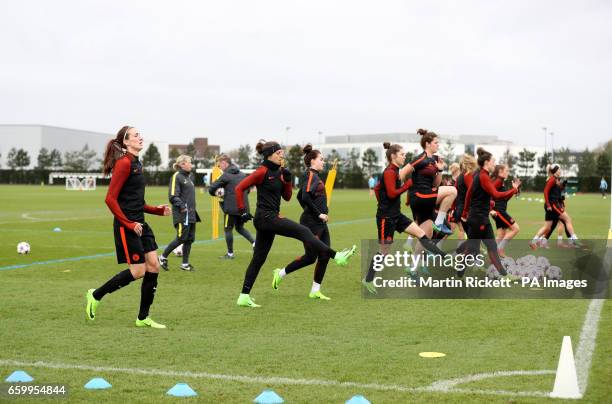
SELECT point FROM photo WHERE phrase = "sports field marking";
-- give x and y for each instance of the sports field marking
(95, 256)
(584, 354)
(277, 380)
(586, 343)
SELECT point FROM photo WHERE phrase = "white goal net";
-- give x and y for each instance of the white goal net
(76, 183)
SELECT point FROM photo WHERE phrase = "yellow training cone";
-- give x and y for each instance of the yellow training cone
(431, 354)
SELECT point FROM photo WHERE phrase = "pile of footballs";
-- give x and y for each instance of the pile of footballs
(528, 266)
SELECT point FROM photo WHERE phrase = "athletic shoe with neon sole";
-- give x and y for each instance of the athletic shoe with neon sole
(318, 295)
(369, 286)
(147, 322)
(343, 256)
(276, 278)
(443, 228)
(91, 306)
(245, 300)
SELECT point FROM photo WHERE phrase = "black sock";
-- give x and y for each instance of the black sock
(118, 281)
(147, 293)
(370, 275)
(431, 246)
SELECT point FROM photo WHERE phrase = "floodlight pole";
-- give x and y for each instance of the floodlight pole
(552, 146)
(545, 134)
(287, 129)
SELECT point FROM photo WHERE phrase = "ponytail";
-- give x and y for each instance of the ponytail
(115, 150)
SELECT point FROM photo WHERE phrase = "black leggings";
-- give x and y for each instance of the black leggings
(268, 225)
(554, 225)
(310, 256)
(232, 221)
(185, 236)
(477, 232)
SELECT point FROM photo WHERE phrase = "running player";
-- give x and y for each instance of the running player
(134, 239)
(272, 182)
(468, 166)
(182, 196)
(426, 192)
(225, 187)
(313, 199)
(554, 208)
(389, 218)
(507, 228)
(476, 210)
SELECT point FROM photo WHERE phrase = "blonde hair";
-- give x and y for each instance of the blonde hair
(183, 158)
(454, 168)
(468, 163)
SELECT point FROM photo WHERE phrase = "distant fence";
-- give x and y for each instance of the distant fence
(343, 180)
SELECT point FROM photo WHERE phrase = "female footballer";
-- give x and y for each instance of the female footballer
(273, 182)
(134, 239)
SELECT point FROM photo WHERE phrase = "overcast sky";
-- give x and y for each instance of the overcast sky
(237, 71)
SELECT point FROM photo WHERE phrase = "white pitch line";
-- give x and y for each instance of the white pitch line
(285, 380)
(586, 343)
(445, 385)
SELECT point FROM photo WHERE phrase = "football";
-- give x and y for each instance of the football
(178, 251)
(23, 248)
(220, 192)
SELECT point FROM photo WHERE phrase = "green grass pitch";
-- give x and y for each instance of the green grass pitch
(330, 351)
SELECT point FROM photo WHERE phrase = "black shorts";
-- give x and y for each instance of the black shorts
(130, 247)
(423, 208)
(232, 221)
(503, 220)
(554, 213)
(316, 225)
(389, 225)
(185, 232)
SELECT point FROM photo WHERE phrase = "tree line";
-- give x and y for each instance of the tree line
(353, 169)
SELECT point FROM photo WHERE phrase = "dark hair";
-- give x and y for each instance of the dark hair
(310, 154)
(553, 168)
(426, 137)
(115, 149)
(391, 149)
(498, 168)
(267, 148)
(483, 156)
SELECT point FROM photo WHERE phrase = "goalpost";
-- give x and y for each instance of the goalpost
(80, 183)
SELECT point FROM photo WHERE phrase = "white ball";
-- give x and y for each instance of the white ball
(507, 261)
(23, 248)
(553, 272)
(514, 270)
(178, 251)
(530, 260)
(220, 192)
(543, 262)
(492, 272)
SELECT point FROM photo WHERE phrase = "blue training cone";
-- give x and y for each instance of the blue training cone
(268, 397)
(181, 390)
(19, 376)
(359, 399)
(97, 383)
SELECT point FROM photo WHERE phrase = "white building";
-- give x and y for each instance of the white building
(32, 138)
(344, 144)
